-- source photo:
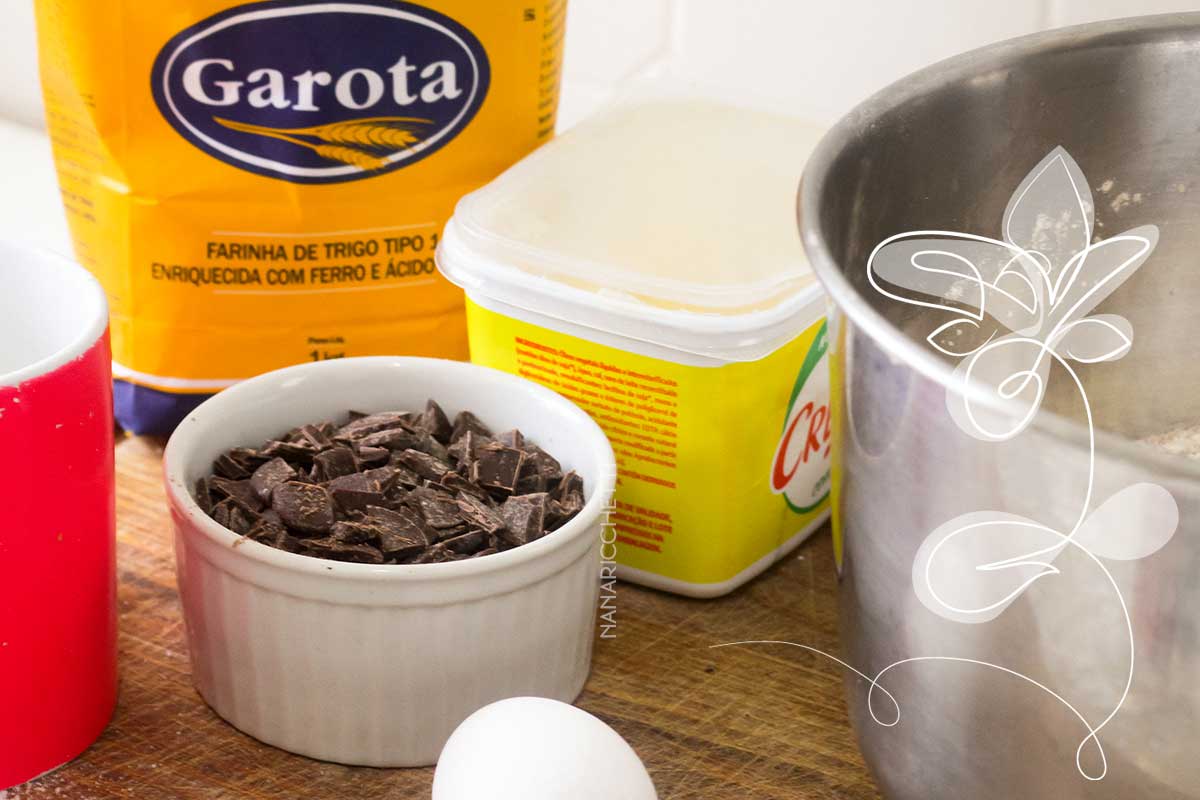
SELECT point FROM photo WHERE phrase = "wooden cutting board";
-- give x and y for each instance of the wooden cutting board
(765, 722)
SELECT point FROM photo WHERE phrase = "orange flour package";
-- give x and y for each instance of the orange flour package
(265, 183)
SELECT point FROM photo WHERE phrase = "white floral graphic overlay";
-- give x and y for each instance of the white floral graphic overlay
(1014, 307)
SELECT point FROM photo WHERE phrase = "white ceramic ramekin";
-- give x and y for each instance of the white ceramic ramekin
(377, 665)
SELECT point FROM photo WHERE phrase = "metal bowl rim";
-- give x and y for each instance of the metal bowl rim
(1134, 31)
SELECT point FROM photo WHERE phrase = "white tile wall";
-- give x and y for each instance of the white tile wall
(1073, 12)
(817, 57)
(20, 92)
(814, 57)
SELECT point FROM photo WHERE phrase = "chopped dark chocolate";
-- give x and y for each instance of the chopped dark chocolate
(478, 513)
(423, 464)
(303, 507)
(351, 502)
(315, 435)
(467, 543)
(511, 438)
(466, 421)
(524, 518)
(292, 452)
(226, 467)
(240, 521)
(569, 490)
(457, 484)
(334, 463)
(435, 422)
(497, 467)
(434, 448)
(339, 551)
(462, 451)
(385, 476)
(349, 532)
(436, 555)
(372, 456)
(269, 475)
(399, 520)
(372, 423)
(439, 510)
(392, 488)
(240, 492)
(203, 498)
(392, 439)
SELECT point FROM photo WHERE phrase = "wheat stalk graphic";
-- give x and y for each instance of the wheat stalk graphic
(349, 141)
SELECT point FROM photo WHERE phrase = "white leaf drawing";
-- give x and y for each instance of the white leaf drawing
(1014, 369)
(1102, 337)
(1133, 523)
(1095, 273)
(973, 567)
(1050, 216)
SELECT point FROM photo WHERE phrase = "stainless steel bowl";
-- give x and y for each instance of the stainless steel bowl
(944, 149)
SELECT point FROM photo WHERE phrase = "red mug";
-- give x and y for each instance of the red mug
(58, 623)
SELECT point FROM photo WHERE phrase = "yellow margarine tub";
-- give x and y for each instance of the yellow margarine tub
(647, 265)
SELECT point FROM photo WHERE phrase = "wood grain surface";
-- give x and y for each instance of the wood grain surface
(765, 721)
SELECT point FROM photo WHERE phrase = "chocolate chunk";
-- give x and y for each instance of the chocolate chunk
(404, 476)
(386, 477)
(524, 518)
(433, 447)
(478, 513)
(334, 463)
(372, 456)
(352, 502)
(436, 555)
(220, 512)
(349, 532)
(240, 521)
(269, 475)
(285, 541)
(466, 543)
(226, 467)
(466, 421)
(400, 532)
(315, 435)
(435, 422)
(456, 484)
(240, 492)
(249, 458)
(358, 482)
(497, 467)
(531, 480)
(569, 491)
(372, 423)
(202, 496)
(267, 528)
(511, 438)
(556, 515)
(543, 462)
(424, 464)
(290, 451)
(392, 439)
(339, 551)
(437, 509)
(303, 507)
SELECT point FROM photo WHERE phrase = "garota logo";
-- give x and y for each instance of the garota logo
(800, 471)
(320, 92)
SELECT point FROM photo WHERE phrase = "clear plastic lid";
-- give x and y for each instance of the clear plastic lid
(671, 220)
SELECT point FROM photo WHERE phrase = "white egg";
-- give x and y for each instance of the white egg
(531, 748)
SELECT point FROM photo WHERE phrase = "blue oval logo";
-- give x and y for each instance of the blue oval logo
(318, 92)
